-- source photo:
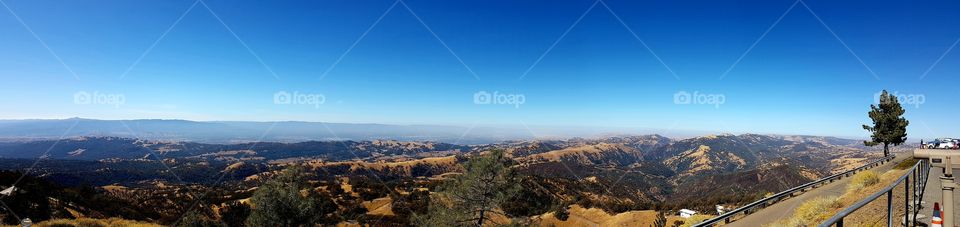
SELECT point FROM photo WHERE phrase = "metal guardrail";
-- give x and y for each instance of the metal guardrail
(747, 209)
(919, 171)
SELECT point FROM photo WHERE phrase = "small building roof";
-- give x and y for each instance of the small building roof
(8, 191)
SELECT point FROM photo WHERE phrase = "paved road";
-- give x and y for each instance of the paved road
(933, 194)
(784, 209)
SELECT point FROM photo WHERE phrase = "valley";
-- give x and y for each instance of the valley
(385, 182)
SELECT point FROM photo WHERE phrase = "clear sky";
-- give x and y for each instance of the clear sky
(808, 67)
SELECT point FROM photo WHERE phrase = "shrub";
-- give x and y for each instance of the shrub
(811, 212)
(906, 163)
(196, 219)
(817, 208)
(863, 179)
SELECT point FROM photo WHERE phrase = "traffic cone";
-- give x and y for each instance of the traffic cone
(937, 220)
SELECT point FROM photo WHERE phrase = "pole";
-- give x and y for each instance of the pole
(947, 190)
(916, 193)
(948, 170)
(906, 202)
(890, 208)
(948, 203)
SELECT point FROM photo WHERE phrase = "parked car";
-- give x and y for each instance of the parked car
(947, 143)
(941, 143)
(930, 144)
(952, 143)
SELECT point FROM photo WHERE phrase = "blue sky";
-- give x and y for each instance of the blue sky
(799, 78)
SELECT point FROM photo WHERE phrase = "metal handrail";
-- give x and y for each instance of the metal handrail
(744, 209)
(920, 172)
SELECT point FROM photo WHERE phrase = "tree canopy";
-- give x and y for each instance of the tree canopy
(288, 200)
(474, 197)
(889, 126)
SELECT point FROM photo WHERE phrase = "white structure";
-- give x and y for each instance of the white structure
(685, 213)
(8, 191)
(720, 210)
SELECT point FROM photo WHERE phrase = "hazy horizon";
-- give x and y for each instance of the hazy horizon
(268, 131)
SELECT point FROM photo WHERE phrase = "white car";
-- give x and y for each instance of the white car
(947, 144)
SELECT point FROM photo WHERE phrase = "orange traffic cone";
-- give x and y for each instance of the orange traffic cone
(937, 220)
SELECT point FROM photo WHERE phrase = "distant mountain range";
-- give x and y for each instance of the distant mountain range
(230, 132)
(242, 131)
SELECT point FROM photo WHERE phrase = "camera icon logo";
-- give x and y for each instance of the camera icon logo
(482, 97)
(81, 98)
(682, 97)
(282, 97)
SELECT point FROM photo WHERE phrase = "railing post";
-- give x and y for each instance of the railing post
(916, 193)
(840, 223)
(906, 202)
(890, 208)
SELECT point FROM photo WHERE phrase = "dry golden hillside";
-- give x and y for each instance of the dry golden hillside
(580, 216)
(584, 154)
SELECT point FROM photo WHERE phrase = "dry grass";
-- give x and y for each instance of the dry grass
(874, 213)
(693, 220)
(579, 153)
(405, 166)
(580, 216)
(862, 185)
(379, 206)
(862, 180)
(811, 212)
(845, 164)
(906, 163)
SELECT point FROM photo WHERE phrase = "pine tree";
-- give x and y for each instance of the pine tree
(474, 197)
(234, 213)
(889, 126)
(405, 206)
(288, 201)
(197, 219)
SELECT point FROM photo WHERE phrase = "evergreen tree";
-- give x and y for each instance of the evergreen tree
(474, 197)
(234, 214)
(404, 206)
(29, 200)
(196, 219)
(561, 213)
(531, 199)
(289, 201)
(889, 126)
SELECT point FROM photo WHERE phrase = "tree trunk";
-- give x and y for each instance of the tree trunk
(886, 150)
(480, 222)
